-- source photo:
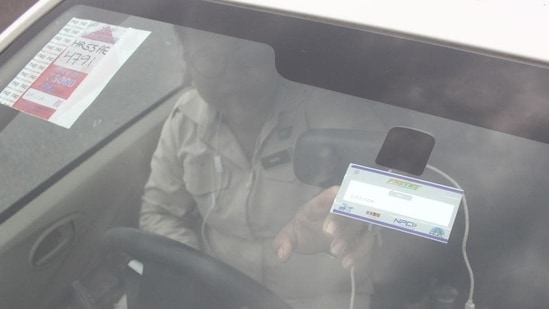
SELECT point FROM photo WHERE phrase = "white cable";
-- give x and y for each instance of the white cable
(470, 304)
(203, 226)
(216, 175)
(352, 271)
(353, 288)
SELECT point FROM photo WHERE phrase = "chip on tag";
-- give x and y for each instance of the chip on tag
(398, 202)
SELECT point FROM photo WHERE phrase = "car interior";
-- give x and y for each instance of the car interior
(70, 198)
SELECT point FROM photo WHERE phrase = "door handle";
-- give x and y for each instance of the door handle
(53, 242)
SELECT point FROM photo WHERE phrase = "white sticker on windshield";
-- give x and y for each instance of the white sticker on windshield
(66, 76)
(398, 202)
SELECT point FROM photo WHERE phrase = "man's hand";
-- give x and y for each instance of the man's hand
(315, 230)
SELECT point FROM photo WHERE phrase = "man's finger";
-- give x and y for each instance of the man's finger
(340, 226)
(360, 249)
(319, 207)
(344, 233)
(284, 243)
(304, 233)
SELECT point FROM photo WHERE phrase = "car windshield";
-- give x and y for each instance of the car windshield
(439, 154)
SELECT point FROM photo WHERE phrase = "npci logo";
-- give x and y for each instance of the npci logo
(405, 223)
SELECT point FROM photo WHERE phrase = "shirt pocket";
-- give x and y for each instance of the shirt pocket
(283, 172)
(201, 176)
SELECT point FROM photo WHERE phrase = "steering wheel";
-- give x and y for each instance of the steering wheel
(178, 276)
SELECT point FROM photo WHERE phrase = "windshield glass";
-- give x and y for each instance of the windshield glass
(266, 116)
(54, 148)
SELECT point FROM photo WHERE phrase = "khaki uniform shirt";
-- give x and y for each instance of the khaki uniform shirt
(199, 171)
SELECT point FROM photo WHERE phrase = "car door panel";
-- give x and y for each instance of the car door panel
(102, 192)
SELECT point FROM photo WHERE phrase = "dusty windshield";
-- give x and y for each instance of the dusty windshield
(234, 132)
(257, 146)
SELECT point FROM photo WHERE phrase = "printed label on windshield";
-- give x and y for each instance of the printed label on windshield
(398, 202)
(66, 76)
